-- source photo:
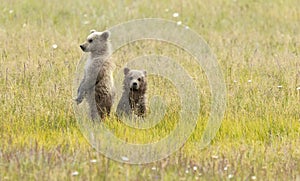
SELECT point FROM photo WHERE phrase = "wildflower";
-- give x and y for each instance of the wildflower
(54, 46)
(186, 27)
(186, 171)
(195, 168)
(225, 168)
(230, 176)
(124, 158)
(179, 23)
(235, 81)
(166, 10)
(249, 81)
(75, 173)
(93, 161)
(214, 157)
(298, 88)
(253, 177)
(153, 168)
(11, 11)
(175, 15)
(279, 87)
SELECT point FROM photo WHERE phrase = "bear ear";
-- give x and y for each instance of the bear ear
(92, 31)
(105, 35)
(126, 70)
(145, 73)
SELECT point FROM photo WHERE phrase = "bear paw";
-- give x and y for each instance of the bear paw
(79, 100)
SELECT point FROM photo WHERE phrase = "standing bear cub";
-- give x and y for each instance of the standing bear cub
(133, 100)
(97, 85)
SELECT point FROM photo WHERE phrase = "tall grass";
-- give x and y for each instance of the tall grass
(256, 44)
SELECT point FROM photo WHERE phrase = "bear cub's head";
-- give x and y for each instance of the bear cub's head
(96, 42)
(135, 80)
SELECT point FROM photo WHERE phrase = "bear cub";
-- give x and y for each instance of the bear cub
(133, 100)
(97, 85)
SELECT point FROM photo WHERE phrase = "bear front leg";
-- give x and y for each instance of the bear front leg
(142, 106)
(79, 98)
(87, 83)
(80, 92)
(142, 110)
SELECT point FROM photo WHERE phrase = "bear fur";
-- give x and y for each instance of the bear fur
(97, 85)
(133, 100)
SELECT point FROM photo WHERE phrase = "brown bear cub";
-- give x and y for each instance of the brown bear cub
(97, 85)
(133, 100)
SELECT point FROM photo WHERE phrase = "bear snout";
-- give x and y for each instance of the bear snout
(134, 86)
(82, 47)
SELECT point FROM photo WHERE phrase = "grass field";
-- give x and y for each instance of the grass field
(257, 44)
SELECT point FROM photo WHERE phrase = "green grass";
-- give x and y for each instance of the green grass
(252, 40)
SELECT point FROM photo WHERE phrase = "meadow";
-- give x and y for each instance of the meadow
(256, 43)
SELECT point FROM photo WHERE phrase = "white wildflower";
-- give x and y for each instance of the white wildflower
(179, 23)
(230, 176)
(195, 168)
(214, 156)
(253, 177)
(75, 173)
(93, 161)
(124, 158)
(175, 15)
(54, 46)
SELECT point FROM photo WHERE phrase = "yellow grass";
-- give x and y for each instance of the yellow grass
(259, 136)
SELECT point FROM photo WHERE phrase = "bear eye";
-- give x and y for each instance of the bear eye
(130, 78)
(139, 79)
(90, 40)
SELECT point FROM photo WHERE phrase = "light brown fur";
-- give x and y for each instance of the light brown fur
(97, 85)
